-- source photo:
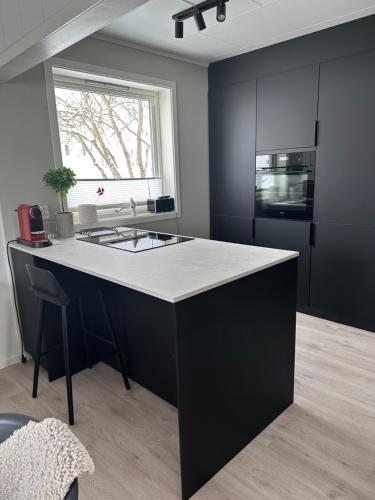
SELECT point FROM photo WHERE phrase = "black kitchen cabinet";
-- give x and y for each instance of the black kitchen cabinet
(287, 109)
(288, 235)
(327, 105)
(232, 116)
(232, 229)
(343, 274)
(344, 188)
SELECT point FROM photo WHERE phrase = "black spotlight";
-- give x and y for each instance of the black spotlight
(196, 11)
(179, 29)
(199, 21)
(221, 12)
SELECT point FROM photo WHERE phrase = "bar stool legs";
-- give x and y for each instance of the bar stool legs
(115, 339)
(65, 340)
(38, 347)
(68, 375)
(37, 356)
(85, 333)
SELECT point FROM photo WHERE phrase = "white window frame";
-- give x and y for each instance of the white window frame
(155, 127)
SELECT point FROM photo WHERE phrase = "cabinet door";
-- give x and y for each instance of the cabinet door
(345, 172)
(232, 114)
(288, 235)
(287, 109)
(232, 229)
(343, 273)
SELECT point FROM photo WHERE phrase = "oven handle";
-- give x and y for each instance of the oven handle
(272, 172)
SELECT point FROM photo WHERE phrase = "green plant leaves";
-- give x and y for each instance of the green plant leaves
(60, 179)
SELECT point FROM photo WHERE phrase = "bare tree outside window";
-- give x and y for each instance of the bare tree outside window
(106, 136)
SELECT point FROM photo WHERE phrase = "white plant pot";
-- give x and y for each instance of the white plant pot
(65, 225)
(87, 213)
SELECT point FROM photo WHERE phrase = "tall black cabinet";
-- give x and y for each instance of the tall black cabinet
(342, 284)
(287, 109)
(314, 92)
(287, 105)
(232, 119)
(343, 257)
(345, 182)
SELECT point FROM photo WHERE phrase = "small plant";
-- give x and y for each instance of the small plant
(60, 180)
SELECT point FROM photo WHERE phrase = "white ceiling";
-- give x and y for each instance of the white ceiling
(250, 24)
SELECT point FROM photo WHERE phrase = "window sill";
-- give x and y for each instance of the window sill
(129, 220)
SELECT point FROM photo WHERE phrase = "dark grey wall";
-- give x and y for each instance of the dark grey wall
(346, 39)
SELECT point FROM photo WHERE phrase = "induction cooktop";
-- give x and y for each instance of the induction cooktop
(131, 240)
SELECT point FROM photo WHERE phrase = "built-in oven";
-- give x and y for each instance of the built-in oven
(285, 185)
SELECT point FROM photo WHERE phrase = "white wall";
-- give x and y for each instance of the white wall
(25, 154)
(26, 147)
(10, 346)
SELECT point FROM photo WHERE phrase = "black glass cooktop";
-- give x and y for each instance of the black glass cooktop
(134, 240)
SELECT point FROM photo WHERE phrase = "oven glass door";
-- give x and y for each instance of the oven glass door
(285, 185)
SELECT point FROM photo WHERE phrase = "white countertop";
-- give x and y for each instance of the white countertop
(170, 273)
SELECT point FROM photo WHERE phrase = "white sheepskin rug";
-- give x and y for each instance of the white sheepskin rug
(40, 461)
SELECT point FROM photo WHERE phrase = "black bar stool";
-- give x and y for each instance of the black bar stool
(47, 289)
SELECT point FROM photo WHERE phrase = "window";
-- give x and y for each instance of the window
(110, 135)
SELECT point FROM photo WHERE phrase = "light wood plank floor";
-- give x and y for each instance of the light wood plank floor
(322, 447)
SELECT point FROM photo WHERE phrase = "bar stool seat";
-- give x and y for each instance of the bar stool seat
(47, 289)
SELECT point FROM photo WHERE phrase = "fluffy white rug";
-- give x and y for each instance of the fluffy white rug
(40, 461)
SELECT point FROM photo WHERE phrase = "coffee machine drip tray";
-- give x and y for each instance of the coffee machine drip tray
(133, 240)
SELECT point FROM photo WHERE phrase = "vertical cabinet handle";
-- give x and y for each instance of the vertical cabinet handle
(312, 234)
(254, 228)
(316, 132)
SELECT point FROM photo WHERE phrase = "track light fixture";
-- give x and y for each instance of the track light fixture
(221, 12)
(196, 11)
(179, 29)
(199, 21)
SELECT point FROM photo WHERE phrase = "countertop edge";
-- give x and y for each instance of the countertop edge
(235, 278)
(172, 300)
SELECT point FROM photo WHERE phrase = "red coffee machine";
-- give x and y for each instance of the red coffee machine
(32, 233)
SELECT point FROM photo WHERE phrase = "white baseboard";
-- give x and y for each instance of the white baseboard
(11, 361)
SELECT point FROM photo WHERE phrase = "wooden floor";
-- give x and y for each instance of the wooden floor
(322, 447)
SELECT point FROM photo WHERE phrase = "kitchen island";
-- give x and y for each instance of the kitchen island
(208, 326)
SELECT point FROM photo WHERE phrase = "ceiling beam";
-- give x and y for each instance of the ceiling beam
(77, 20)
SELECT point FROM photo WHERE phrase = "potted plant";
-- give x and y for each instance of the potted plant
(61, 180)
